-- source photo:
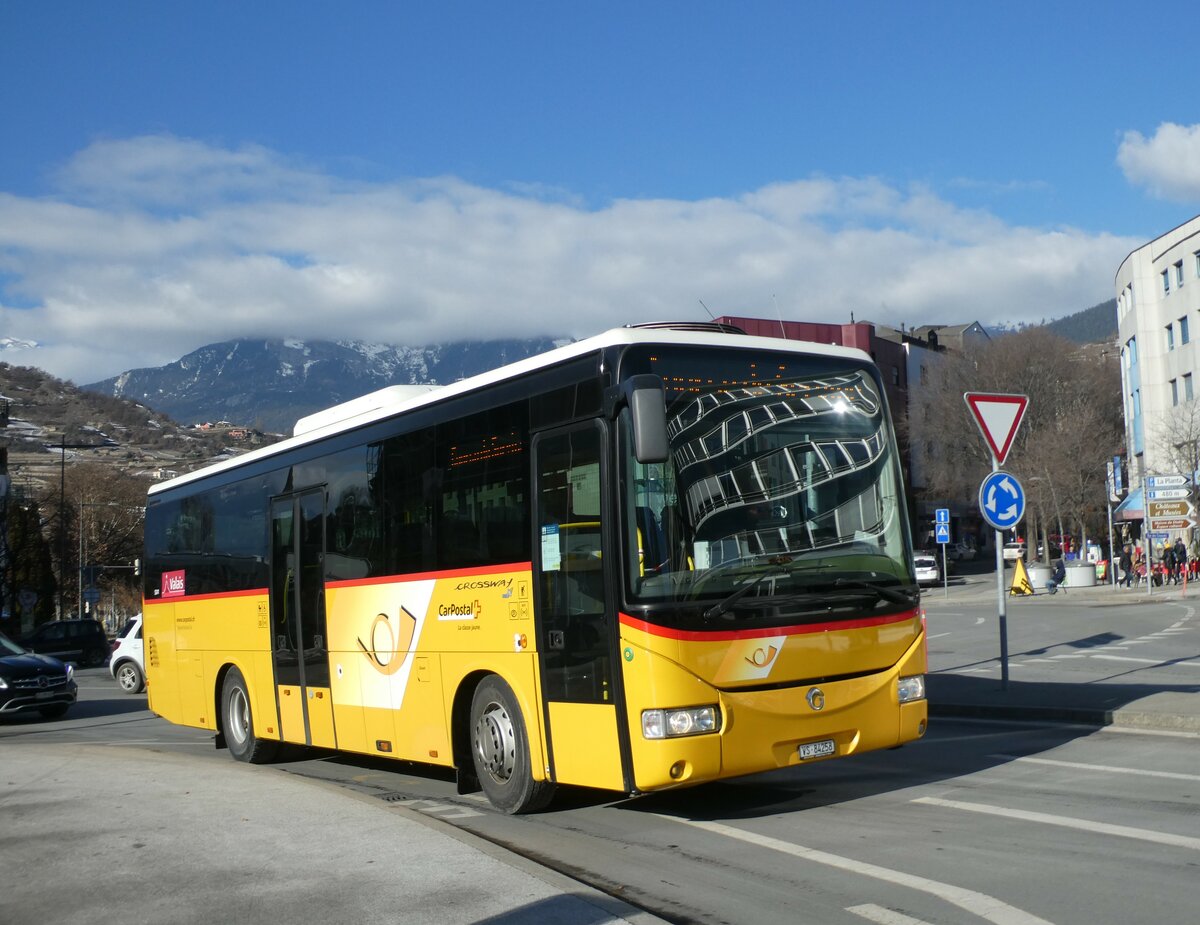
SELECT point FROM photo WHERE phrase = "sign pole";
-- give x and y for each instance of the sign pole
(998, 417)
(1002, 600)
(1112, 550)
(1148, 557)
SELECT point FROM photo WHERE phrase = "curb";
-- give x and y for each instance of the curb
(1073, 716)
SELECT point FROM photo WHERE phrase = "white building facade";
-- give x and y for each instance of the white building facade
(1158, 319)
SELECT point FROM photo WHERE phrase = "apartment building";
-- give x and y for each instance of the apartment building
(1158, 321)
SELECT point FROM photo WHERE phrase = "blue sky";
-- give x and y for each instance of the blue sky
(178, 173)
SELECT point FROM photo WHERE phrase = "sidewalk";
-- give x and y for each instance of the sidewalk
(1131, 706)
(101, 834)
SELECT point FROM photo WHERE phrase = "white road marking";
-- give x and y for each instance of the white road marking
(937, 635)
(980, 904)
(1104, 768)
(1066, 822)
(873, 913)
(1165, 662)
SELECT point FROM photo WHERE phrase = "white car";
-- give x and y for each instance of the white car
(126, 663)
(926, 567)
(1014, 551)
(961, 551)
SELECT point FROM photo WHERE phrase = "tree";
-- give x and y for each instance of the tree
(1071, 427)
(96, 520)
(31, 569)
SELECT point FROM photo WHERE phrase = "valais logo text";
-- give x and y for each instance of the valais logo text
(173, 583)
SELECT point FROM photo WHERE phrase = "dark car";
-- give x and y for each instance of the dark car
(81, 641)
(33, 682)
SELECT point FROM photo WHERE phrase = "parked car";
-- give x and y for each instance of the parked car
(81, 641)
(926, 567)
(1013, 551)
(31, 682)
(961, 551)
(126, 664)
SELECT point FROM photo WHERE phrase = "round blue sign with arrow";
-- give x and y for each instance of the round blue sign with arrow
(1002, 500)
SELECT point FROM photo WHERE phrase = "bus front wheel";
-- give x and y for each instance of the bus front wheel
(500, 750)
(238, 722)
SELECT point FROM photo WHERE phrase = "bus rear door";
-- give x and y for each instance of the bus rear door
(298, 629)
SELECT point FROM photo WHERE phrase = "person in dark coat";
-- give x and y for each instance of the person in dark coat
(1125, 564)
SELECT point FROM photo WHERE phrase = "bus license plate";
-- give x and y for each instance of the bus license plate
(817, 749)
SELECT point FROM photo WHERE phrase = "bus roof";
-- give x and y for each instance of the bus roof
(391, 401)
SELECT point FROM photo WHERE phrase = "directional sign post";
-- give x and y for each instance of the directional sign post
(1001, 498)
(941, 533)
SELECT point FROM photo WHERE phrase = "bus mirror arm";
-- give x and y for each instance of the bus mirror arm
(647, 403)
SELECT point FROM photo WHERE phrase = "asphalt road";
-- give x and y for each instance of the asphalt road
(1017, 822)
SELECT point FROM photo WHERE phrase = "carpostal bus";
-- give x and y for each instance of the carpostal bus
(657, 557)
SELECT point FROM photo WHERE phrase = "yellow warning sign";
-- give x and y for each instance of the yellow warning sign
(1020, 582)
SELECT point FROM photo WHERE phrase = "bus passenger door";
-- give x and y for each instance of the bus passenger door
(298, 630)
(576, 629)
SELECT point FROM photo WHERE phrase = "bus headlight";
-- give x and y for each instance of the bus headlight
(911, 688)
(684, 721)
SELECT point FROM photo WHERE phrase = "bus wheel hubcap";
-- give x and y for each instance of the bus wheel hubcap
(496, 742)
(239, 715)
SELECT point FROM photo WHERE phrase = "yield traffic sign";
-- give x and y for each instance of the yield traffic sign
(998, 417)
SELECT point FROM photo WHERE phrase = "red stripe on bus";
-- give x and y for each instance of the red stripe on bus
(220, 595)
(425, 576)
(802, 629)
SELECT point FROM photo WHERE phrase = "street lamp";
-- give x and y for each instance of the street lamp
(62, 513)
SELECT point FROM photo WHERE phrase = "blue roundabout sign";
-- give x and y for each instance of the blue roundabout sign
(1002, 500)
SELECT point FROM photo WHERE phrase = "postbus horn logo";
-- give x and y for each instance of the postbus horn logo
(389, 644)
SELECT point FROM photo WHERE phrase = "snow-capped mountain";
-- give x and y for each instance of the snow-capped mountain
(268, 384)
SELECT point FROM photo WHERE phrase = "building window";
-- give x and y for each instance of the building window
(1166, 275)
(1197, 256)
(1132, 351)
(1174, 392)
(1188, 394)
(1183, 331)
(1170, 337)
(1178, 274)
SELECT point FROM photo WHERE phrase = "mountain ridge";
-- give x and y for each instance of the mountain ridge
(269, 383)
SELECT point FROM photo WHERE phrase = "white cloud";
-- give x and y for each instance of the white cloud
(155, 246)
(1168, 163)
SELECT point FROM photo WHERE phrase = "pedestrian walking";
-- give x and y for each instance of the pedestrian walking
(1181, 559)
(1167, 560)
(1125, 564)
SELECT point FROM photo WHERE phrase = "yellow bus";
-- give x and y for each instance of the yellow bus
(661, 556)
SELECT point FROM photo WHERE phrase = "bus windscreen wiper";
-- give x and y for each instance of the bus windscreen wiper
(896, 597)
(721, 608)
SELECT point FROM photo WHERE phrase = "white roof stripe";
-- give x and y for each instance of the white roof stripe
(613, 337)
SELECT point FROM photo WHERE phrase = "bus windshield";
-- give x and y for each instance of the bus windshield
(781, 494)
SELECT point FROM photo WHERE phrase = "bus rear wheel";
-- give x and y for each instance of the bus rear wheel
(500, 750)
(237, 723)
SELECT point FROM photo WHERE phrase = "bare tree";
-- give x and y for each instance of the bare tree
(1071, 427)
(96, 518)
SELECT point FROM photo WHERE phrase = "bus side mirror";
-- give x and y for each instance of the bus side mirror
(648, 413)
